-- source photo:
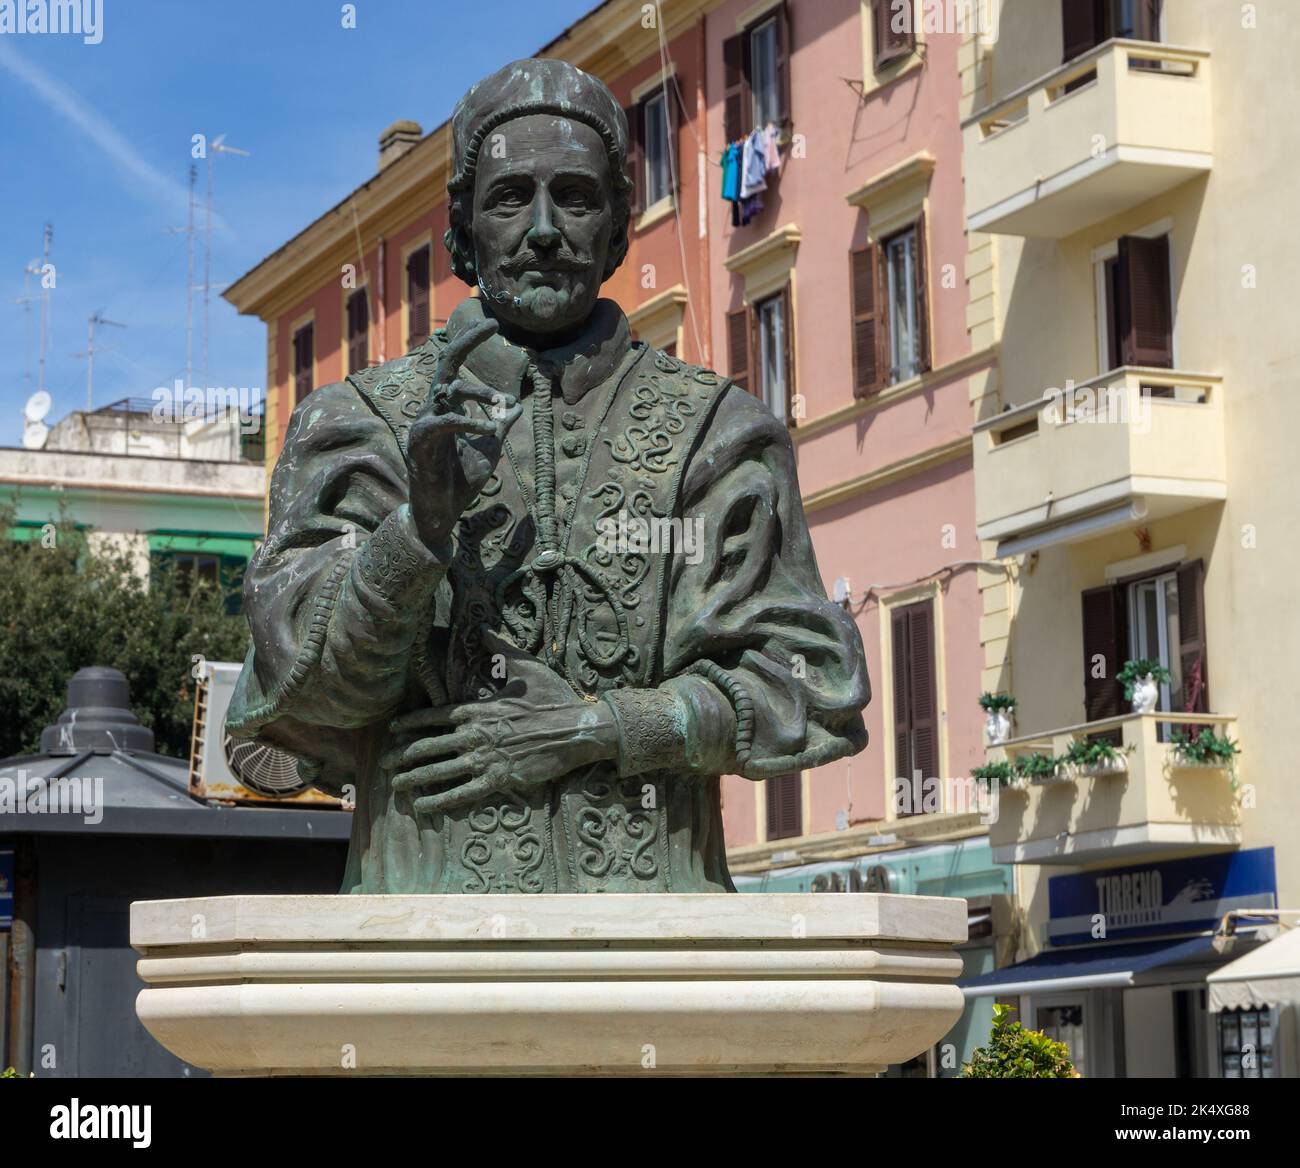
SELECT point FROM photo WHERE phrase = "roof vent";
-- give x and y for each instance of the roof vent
(97, 717)
(397, 140)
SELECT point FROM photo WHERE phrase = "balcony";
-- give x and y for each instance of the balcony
(1154, 804)
(1132, 444)
(1103, 133)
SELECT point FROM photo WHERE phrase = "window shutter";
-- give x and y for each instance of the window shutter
(867, 305)
(736, 101)
(787, 332)
(1104, 635)
(921, 274)
(636, 155)
(1146, 22)
(358, 331)
(784, 807)
(783, 51)
(1082, 24)
(303, 352)
(902, 695)
(417, 297)
(895, 36)
(923, 697)
(738, 349)
(672, 113)
(1144, 310)
(1195, 698)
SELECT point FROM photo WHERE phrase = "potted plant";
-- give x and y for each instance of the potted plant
(998, 709)
(1207, 750)
(999, 774)
(1089, 757)
(1013, 1052)
(1038, 768)
(1141, 680)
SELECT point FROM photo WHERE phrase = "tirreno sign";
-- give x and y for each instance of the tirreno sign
(1150, 900)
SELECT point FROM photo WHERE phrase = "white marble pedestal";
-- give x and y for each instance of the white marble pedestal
(835, 983)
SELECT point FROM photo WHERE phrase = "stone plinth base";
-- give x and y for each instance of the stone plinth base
(835, 983)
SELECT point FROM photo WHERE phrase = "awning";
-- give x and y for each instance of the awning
(1087, 966)
(1263, 978)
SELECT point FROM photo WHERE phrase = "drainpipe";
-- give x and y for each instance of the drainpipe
(702, 178)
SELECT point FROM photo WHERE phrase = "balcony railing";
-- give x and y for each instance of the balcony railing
(1099, 135)
(1151, 801)
(1134, 443)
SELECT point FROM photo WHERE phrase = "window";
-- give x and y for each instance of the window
(1246, 1044)
(916, 723)
(1085, 24)
(756, 75)
(417, 297)
(784, 807)
(760, 352)
(1064, 1022)
(206, 569)
(895, 36)
(658, 172)
(888, 303)
(1160, 617)
(303, 362)
(1135, 311)
(358, 313)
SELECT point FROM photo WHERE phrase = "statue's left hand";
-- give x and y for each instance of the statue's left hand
(504, 744)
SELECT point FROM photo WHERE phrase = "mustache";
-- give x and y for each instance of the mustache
(563, 260)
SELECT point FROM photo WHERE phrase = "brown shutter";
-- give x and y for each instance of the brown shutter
(1145, 312)
(417, 297)
(736, 102)
(303, 353)
(674, 158)
(784, 807)
(891, 42)
(787, 332)
(636, 155)
(358, 330)
(1195, 697)
(1146, 22)
(916, 720)
(1104, 633)
(921, 274)
(870, 365)
(738, 349)
(783, 51)
(1082, 25)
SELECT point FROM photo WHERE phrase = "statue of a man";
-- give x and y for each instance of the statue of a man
(456, 616)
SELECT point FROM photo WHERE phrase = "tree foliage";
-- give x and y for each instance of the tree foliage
(1016, 1053)
(66, 604)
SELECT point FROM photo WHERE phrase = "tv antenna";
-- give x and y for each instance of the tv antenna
(35, 430)
(188, 232)
(215, 147)
(96, 317)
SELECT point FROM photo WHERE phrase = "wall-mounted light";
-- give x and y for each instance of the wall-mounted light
(842, 591)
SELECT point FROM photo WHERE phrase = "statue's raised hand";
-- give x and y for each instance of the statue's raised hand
(453, 449)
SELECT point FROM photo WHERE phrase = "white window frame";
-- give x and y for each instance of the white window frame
(1136, 622)
(654, 164)
(894, 245)
(773, 79)
(773, 307)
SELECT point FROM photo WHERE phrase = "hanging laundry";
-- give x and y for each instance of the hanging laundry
(773, 149)
(753, 166)
(731, 172)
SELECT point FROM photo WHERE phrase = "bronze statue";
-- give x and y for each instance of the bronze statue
(445, 620)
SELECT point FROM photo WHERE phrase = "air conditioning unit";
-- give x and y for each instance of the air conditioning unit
(237, 770)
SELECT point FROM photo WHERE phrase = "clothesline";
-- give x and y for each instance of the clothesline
(745, 167)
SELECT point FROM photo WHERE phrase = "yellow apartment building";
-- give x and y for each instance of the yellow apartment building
(1130, 168)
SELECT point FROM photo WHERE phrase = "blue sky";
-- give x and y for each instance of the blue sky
(95, 139)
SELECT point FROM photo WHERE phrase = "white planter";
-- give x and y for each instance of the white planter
(1146, 694)
(997, 726)
(1114, 766)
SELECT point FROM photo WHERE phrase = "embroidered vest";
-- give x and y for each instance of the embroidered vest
(590, 608)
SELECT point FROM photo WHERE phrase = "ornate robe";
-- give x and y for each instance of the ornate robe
(722, 656)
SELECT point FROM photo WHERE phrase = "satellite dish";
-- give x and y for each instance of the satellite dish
(38, 405)
(34, 435)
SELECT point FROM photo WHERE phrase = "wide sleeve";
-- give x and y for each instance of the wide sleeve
(755, 655)
(340, 590)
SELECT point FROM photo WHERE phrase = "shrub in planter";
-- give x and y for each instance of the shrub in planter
(1037, 767)
(1091, 756)
(997, 701)
(1207, 749)
(1016, 1053)
(998, 774)
(1141, 678)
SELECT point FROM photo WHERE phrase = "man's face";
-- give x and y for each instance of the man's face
(542, 221)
